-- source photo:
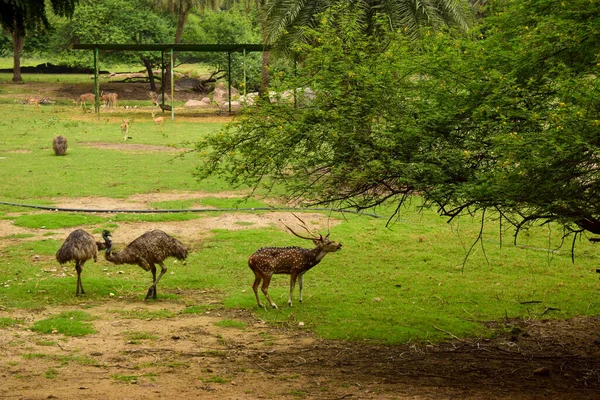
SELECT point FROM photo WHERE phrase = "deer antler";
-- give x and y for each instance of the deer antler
(313, 235)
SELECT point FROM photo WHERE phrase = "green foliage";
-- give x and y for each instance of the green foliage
(225, 27)
(110, 21)
(504, 120)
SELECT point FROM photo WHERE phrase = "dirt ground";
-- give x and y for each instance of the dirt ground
(190, 356)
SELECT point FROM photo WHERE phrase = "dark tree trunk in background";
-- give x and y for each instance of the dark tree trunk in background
(17, 48)
(148, 66)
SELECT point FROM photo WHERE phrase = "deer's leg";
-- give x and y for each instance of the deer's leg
(300, 284)
(257, 279)
(293, 276)
(265, 290)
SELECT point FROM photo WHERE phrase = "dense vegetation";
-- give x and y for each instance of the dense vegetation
(502, 119)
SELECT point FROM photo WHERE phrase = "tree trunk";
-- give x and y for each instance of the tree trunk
(181, 18)
(263, 91)
(264, 74)
(17, 48)
(148, 66)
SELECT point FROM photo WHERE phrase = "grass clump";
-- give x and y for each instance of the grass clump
(69, 323)
(7, 322)
(56, 220)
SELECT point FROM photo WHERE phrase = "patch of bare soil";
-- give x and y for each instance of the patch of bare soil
(189, 356)
(132, 356)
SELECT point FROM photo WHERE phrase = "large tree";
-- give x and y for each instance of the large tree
(180, 10)
(286, 20)
(115, 21)
(20, 17)
(503, 120)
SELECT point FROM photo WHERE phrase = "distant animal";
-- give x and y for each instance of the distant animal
(293, 261)
(34, 101)
(109, 99)
(125, 129)
(86, 97)
(147, 250)
(79, 246)
(59, 144)
(158, 121)
(157, 99)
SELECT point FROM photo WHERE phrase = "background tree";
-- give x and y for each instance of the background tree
(181, 9)
(287, 19)
(21, 17)
(504, 122)
(112, 21)
(228, 26)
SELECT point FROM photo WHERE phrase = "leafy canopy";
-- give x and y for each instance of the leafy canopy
(503, 119)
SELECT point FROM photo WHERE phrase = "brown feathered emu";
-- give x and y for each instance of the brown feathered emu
(59, 144)
(147, 250)
(79, 246)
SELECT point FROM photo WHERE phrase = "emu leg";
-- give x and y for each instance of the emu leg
(79, 268)
(257, 279)
(265, 290)
(152, 289)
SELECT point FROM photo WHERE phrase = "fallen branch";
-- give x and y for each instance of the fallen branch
(550, 309)
(449, 333)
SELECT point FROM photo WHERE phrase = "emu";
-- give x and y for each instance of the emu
(147, 250)
(59, 144)
(293, 261)
(79, 246)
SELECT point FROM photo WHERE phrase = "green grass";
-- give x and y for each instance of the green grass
(7, 322)
(72, 323)
(63, 360)
(399, 283)
(137, 336)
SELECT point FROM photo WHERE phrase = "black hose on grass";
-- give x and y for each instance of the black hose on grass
(198, 210)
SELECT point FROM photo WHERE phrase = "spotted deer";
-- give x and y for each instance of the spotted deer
(109, 99)
(293, 261)
(86, 97)
(125, 129)
(158, 121)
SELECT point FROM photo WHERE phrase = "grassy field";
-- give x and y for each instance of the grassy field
(408, 281)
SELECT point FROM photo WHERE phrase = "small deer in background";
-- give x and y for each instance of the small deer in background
(33, 101)
(293, 261)
(91, 97)
(109, 99)
(158, 121)
(125, 129)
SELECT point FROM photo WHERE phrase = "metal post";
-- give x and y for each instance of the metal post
(172, 88)
(96, 83)
(162, 75)
(229, 78)
(245, 82)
